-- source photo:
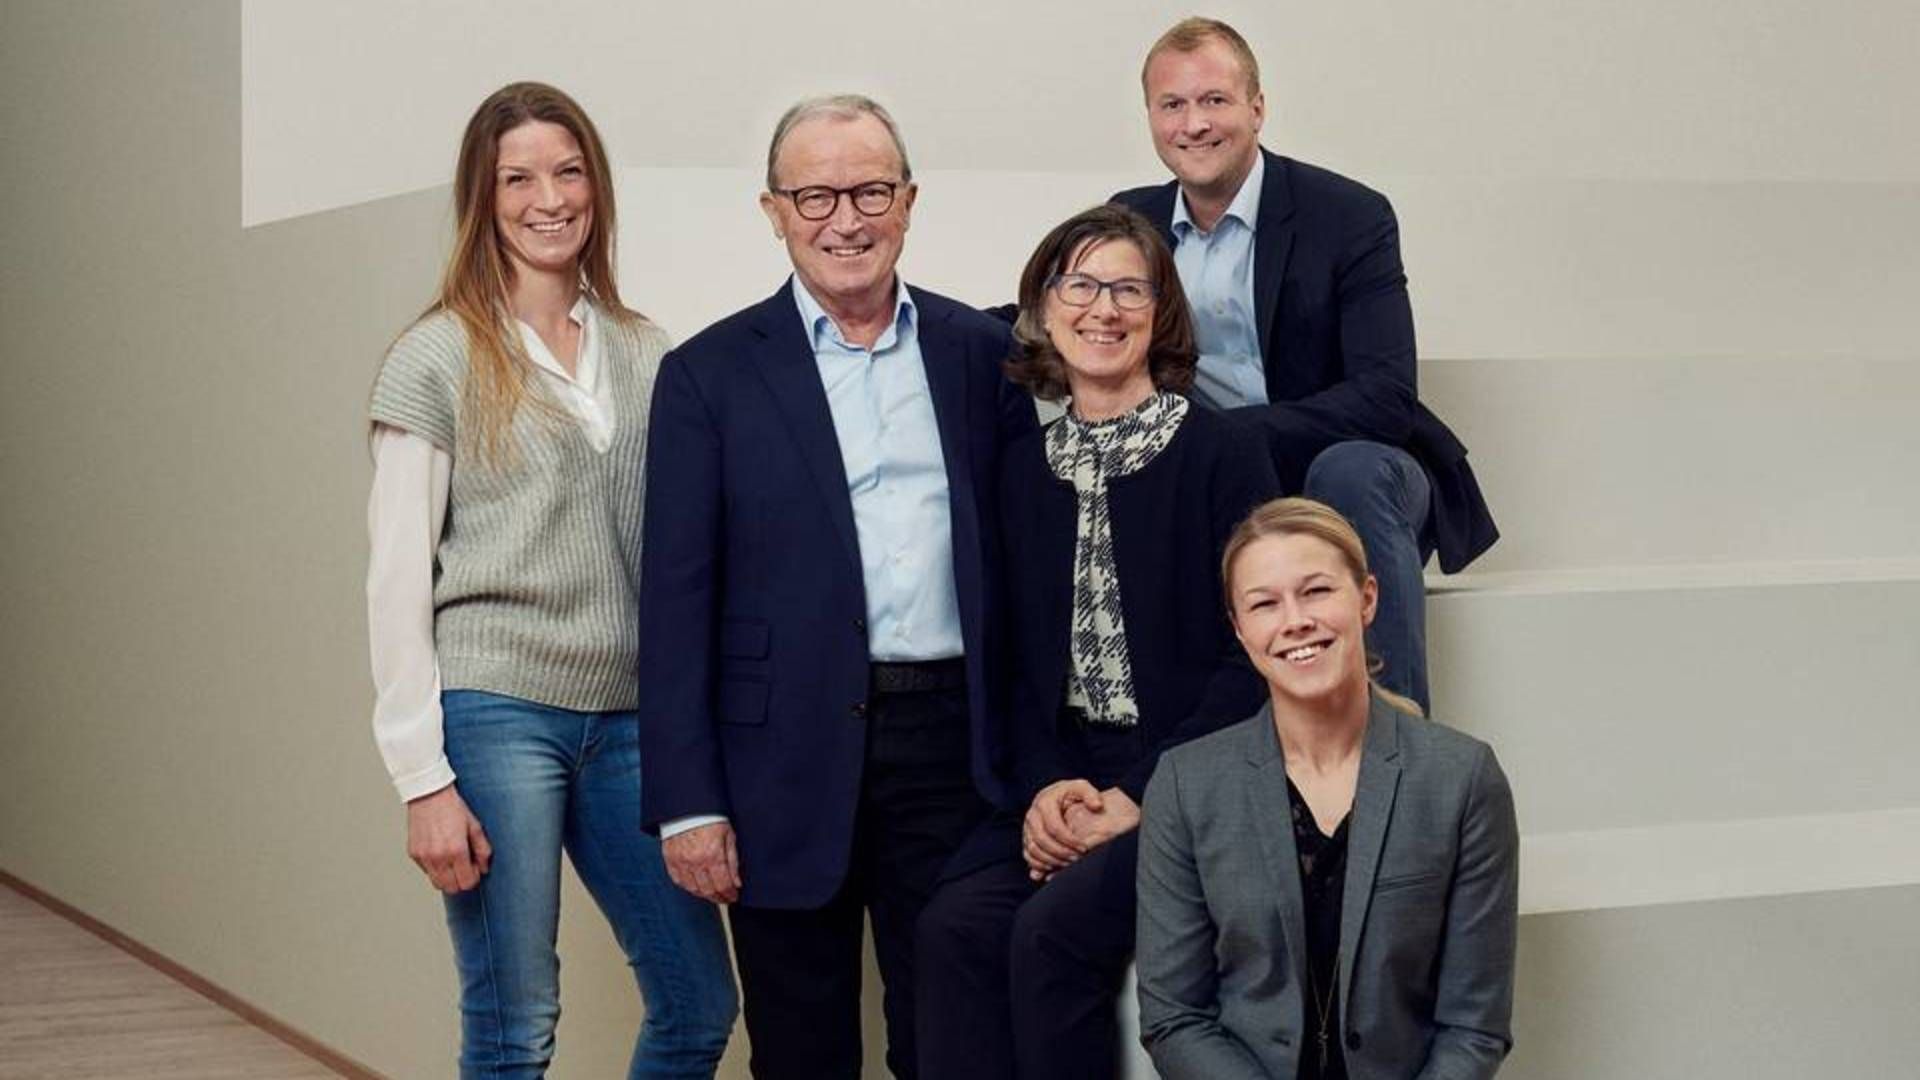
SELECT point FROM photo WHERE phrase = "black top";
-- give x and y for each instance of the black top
(1323, 882)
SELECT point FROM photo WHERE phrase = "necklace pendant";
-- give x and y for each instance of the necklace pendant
(1323, 1051)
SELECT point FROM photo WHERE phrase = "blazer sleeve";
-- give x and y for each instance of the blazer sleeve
(1375, 398)
(1241, 478)
(1174, 951)
(681, 770)
(1473, 1008)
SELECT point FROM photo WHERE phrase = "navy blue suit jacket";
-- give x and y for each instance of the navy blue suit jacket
(753, 639)
(1336, 339)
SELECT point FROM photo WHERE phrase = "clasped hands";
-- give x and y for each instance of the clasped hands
(1069, 818)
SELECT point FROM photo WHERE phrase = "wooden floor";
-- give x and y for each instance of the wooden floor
(73, 1006)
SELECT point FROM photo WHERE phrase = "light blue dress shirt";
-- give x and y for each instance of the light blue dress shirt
(897, 477)
(1216, 269)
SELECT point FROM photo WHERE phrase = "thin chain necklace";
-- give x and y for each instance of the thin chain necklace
(1322, 1005)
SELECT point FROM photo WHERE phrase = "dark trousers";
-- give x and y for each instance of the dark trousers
(1019, 979)
(800, 971)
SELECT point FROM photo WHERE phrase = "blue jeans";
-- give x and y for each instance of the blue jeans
(1385, 493)
(539, 779)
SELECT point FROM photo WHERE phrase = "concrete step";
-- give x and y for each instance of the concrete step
(1651, 700)
(1600, 463)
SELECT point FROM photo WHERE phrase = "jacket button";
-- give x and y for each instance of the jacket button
(860, 626)
(1353, 1040)
(859, 710)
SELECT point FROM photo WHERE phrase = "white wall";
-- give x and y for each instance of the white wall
(1662, 262)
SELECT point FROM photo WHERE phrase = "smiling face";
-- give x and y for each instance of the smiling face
(542, 198)
(1103, 345)
(1302, 617)
(1206, 124)
(846, 260)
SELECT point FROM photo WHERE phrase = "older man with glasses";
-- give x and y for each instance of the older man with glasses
(818, 573)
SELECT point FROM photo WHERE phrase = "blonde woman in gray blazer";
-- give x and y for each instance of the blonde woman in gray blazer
(1327, 889)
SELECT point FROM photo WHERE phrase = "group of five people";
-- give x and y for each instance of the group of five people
(815, 599)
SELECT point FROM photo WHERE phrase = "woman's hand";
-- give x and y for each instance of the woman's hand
(1094, 823)
(446, 841)
(1047, 842)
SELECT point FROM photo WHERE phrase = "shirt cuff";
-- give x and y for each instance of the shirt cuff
(671, 829)
(425, 781)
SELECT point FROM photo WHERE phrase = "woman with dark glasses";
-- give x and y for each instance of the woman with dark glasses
(1113, 518)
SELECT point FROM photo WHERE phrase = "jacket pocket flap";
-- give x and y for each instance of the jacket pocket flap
(1405, 881)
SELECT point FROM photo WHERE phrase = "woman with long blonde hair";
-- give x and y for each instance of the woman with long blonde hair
(508, 429)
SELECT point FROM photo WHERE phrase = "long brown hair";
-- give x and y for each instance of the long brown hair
(1295, 516)
(479, 276)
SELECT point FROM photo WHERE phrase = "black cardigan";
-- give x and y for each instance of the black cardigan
(1170, 521)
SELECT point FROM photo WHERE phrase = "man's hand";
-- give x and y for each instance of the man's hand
(704, 862)
(446, 841)
(1047, 842)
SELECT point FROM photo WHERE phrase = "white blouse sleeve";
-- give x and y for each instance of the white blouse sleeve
(405, 513)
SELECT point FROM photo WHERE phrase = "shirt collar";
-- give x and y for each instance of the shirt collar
(821, 328)
(586, 362)
(1245, 206)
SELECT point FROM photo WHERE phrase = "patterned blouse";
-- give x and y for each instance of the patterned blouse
(1087, 455)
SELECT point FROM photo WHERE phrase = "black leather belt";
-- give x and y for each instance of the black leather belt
(917, 676)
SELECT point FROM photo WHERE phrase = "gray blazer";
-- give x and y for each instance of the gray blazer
(1426, 929)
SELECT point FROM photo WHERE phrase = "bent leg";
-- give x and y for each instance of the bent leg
(672, 939)
(1070, 948)
(513, 763)
(1385, 493)
(965, 1022)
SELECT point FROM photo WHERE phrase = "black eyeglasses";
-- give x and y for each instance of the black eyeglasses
(1081, 290)
(818, 202)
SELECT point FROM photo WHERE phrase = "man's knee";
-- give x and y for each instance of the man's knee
(1374, 485)
(1355, 472)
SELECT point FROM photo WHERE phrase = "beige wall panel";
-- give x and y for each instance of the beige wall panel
(1637, 90)
(1656, 270)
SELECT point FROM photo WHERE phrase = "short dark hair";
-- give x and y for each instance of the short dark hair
(1038, 366)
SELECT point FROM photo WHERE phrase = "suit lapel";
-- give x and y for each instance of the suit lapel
(1373, 797)
(1272, 245)
(946, 364)
(1273, 821)
(786, 363)
(1159, 210)
(944, 358)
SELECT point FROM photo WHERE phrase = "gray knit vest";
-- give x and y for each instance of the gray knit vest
(534, 581)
